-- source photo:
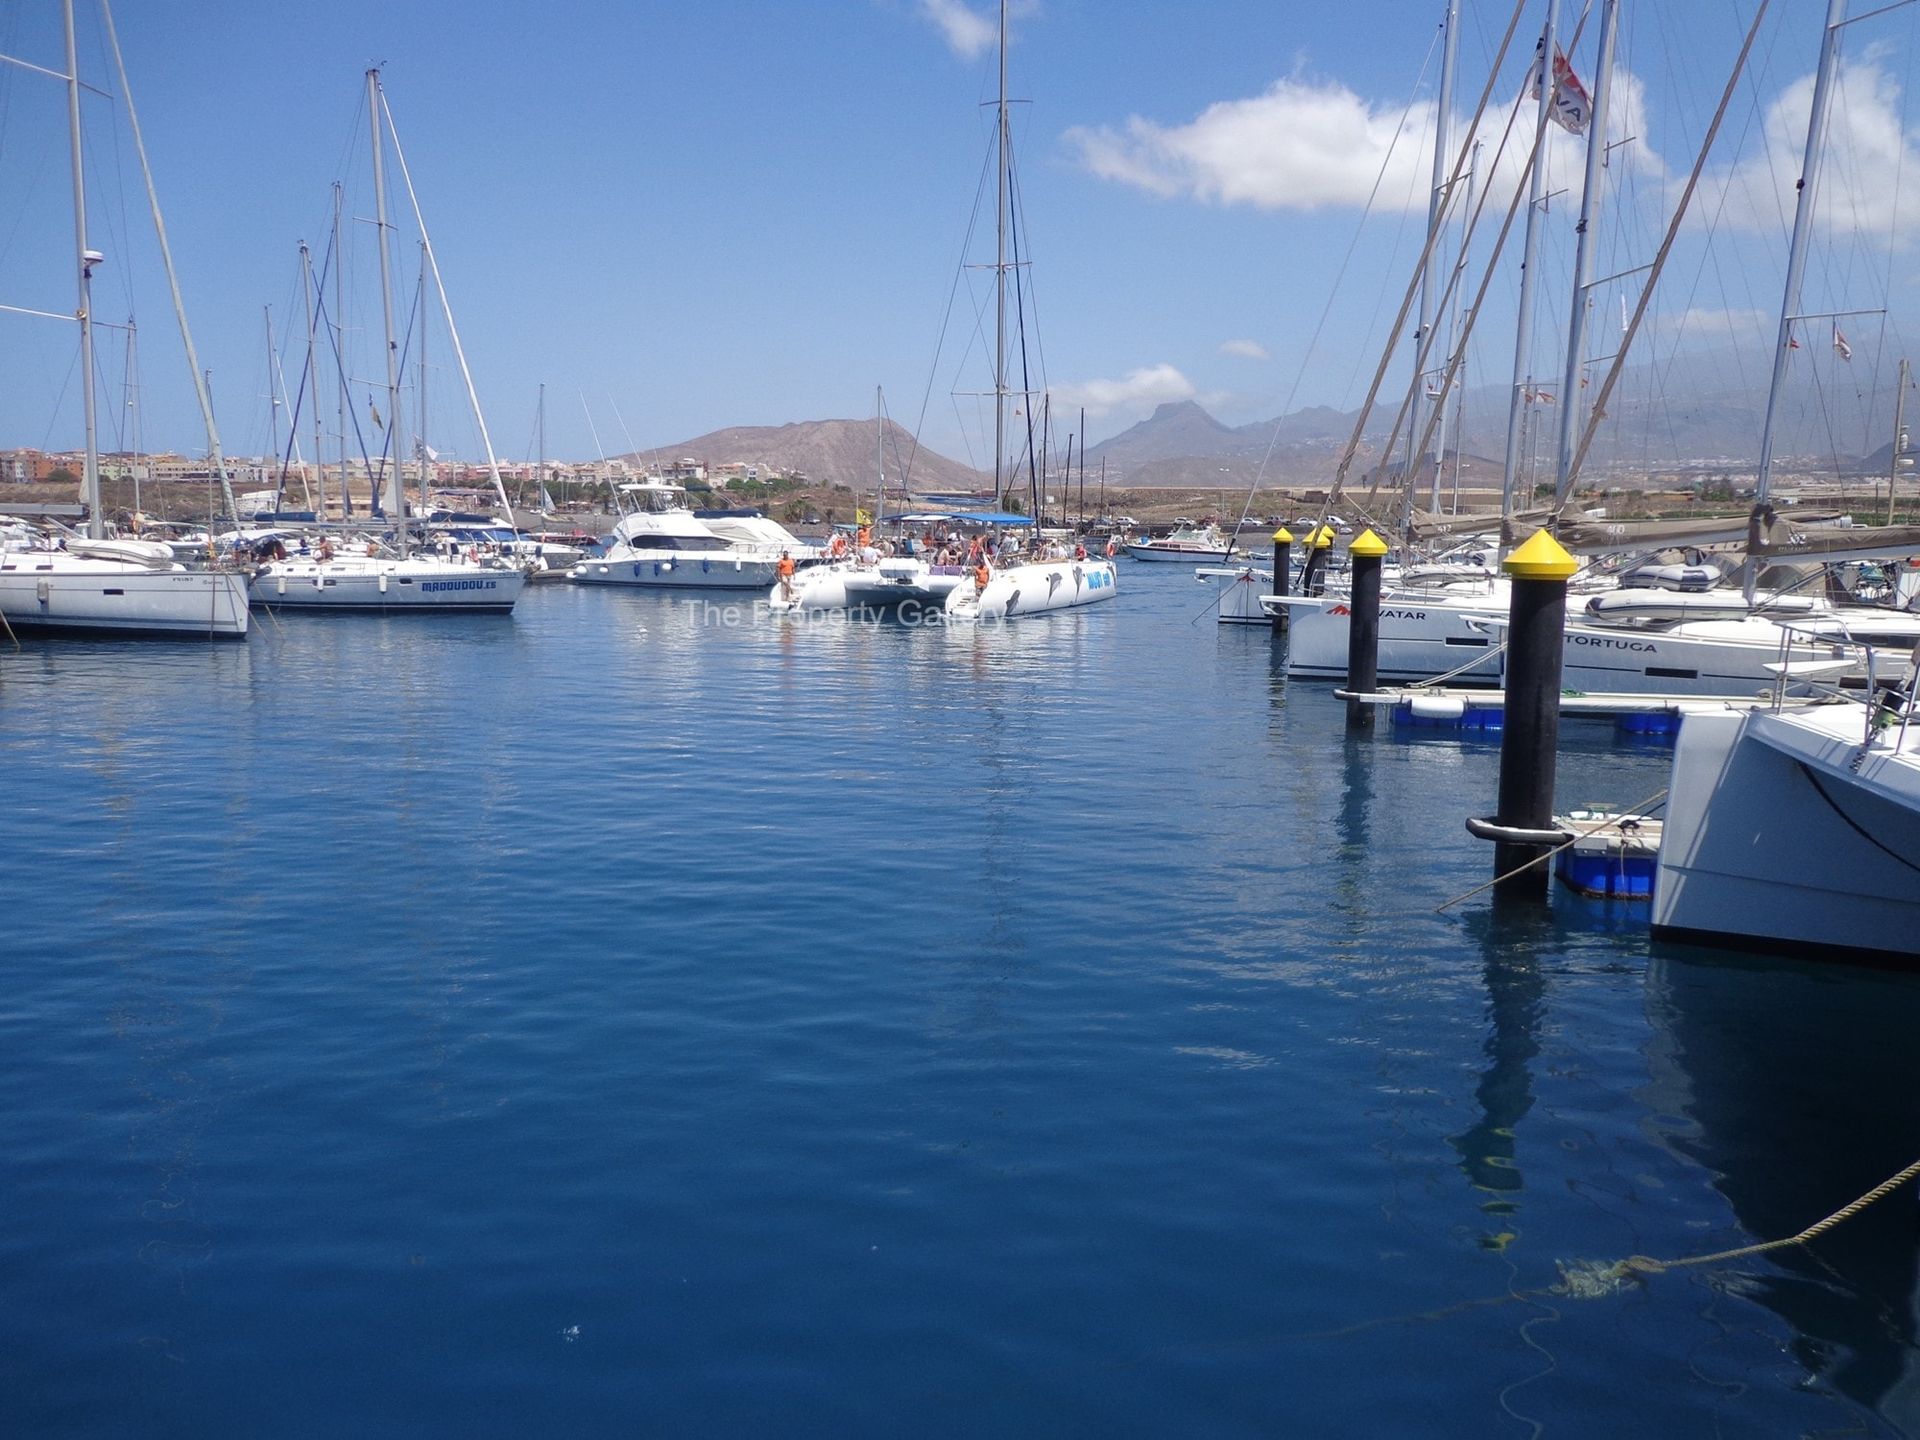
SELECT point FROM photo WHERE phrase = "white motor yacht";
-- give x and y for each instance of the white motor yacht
(1188, 544)
(661, 543)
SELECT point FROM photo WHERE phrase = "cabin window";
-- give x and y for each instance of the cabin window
(1660, 672)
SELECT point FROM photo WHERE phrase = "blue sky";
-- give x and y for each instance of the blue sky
(731, 213)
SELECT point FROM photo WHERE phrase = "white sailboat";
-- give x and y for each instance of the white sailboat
(98, 585)
(1038, 583)
(388, 579)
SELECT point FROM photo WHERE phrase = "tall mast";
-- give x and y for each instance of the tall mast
(133, 412)
(421, 406)
(1458, 384)
(86, 260)
(396, 495)
(313, 383)
(540, 444)
(879, 455)
(1436, 203)
(1529, 258)
(1899, 437)
(273, 410)
(1802, 223)
(339, 327)
(203, 391)
(1000, 265)
(1583, 252)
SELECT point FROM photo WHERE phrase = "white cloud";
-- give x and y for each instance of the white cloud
(1246, 349)
(1149, 385)
(1315, 144)
(1867, 146)
(968, 33)
(1300, 146)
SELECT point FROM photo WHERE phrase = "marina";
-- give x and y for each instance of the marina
(1238, 1118)
(843, 927)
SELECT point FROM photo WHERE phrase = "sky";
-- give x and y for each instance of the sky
(679, 218)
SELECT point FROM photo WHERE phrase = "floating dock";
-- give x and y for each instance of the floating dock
(1464, 708)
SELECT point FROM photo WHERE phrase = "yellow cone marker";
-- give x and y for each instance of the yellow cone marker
(1541, 558)
(1367, 545)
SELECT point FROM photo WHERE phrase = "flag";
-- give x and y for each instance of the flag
(861, 517)
(374, 409)
(1840, 345)
(1572, 110)
(424, 451)
(1793, 343)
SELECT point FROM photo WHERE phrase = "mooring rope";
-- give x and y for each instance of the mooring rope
(1636, 810)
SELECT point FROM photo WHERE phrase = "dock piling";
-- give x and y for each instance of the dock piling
(1363, 627)
(1522, 829)
(1282, 572)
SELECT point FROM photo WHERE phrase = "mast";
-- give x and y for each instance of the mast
(540, 444)
(312, 386)
(1436, 203)
(340, 369)
(879, 456)
(1530, 255)
(273, 412)
(1802, 223)
(202, 390)
(1457, 387)
(999, 266)
(396, 494)
(86, 259)
(1583, 251)
(1899, 437)
(1083, 467)
(421, 406)
(133, 409)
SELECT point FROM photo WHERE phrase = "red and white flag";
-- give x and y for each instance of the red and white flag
(1572, 109)
(1840, 345)
(1793, 342)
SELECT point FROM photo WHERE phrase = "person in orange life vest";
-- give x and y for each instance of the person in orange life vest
(785, 571)
(981, 575)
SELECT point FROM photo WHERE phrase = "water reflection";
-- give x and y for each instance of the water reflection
(1792, 1085)
(1510, 939)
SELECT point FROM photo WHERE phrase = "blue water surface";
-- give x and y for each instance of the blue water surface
(640, 1016)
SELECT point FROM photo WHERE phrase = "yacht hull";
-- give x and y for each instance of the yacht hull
(102, 600)
(1419, 639)
(721, 572)
(1788, 832)
(1035, 590)
(386, 587)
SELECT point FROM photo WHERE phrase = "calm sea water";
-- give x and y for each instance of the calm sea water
(613, 1021)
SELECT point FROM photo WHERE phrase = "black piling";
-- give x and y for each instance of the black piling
(1523, 829)
(1282, 572)
(1363, 628)
(1313, 574)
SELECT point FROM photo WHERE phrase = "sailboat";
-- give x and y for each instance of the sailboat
(386, 578)
(95, 584)
(1039, 581)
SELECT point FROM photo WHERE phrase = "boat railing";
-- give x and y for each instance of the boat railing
(1891, 699)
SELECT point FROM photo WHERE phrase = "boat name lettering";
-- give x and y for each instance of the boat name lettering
(459, 584)
(1403, 614)
(1607, 642)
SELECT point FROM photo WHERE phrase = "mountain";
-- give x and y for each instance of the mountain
(1688, 410)
(827, 452)
(1179, 428)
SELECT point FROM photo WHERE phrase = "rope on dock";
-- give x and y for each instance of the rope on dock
(1638, 808)
(1461, 669)
(1587, 1280)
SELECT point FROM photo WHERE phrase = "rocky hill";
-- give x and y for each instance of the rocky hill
(827, 452)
